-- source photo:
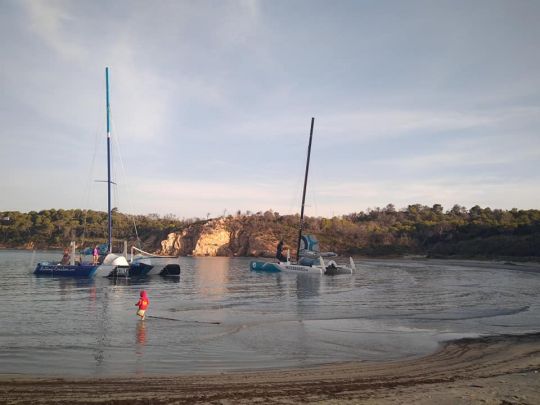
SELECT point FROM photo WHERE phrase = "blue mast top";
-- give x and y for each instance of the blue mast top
(109, 216)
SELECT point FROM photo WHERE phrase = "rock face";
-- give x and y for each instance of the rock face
(214, 239)
(220, 237)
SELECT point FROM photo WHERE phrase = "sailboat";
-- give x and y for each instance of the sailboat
(309, 259)
(112, 264)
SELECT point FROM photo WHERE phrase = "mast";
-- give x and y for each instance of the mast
(304, 192)
(109, 215)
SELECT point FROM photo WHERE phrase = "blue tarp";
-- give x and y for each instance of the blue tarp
(309, 242)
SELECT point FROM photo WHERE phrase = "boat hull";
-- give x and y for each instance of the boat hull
(284, 267)
(150, 266)
(269, 267)
(76, 270)
(56, 270)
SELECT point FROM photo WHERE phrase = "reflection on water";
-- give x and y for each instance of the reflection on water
(307, 286)
(141, 333)
(388, 309)
(211, 276)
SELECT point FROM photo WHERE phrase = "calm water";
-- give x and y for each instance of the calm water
(389, 309)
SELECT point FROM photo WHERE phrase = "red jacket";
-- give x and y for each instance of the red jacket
(143, 301)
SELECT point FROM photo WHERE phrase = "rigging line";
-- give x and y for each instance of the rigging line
(116, 200)
(89, 183)
(130, 204)
(295, 197)
(313, 195)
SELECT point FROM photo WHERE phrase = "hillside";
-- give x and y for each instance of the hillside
(417, 229)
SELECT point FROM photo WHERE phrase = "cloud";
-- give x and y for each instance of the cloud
(190, 198)
(364, 124)
(221, 93)
(48, 20)
(140, 101)
(493, 192)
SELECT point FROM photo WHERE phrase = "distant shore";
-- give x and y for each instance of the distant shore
(495, 369)
(509, 259)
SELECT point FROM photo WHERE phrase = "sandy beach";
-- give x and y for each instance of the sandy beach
(491, 370)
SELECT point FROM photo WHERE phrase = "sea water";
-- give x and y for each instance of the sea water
(220, 316)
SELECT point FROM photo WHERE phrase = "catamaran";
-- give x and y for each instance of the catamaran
(113, 264)
(309, 259)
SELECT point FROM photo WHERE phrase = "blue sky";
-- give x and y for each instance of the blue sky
(414, 102)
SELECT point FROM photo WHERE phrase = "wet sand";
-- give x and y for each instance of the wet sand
(490, 370)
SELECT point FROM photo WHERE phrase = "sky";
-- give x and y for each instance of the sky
(428, 102)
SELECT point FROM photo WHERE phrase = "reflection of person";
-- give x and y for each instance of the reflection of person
(95, 255)
(279, 252)
(141, 333)
(142, 304)
(65, 258)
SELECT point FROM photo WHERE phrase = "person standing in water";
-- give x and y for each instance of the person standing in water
(279, 252)
(142, 304)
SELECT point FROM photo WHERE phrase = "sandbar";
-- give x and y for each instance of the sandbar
(503, 369)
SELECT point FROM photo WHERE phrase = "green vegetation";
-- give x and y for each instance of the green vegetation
(417, 229)
(56, 228)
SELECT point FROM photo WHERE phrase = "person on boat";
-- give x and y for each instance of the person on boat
(95, 255)
(279, 252)
(142, 304)
(65, 258)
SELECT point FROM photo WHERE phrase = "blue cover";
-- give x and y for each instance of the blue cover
(102, 249)
(264, 266)
(309, 242)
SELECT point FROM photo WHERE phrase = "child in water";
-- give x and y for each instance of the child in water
(142, 304)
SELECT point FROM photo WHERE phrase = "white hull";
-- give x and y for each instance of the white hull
(298, 268)
(287, 267)
(105, 270)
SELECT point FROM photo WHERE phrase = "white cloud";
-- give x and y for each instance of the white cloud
(363, 124)
(355, 196)
(190, 198)
(48, 20)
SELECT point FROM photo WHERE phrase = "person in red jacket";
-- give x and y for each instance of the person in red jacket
(142, 304)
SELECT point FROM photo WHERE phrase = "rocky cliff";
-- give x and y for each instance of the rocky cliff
(222, 237)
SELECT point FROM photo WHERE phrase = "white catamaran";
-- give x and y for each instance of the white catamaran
(310, 259)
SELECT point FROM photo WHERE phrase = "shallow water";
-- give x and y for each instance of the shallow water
(389, 309)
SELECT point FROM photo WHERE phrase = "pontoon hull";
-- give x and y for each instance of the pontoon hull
(50, 269)
(284, 267)
(270, 267)
(76, 270)
(149, 266)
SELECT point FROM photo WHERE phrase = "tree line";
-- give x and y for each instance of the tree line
(417, 229)
(56, 228)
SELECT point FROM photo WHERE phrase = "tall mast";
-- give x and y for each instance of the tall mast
(109, 216)
(304, 192)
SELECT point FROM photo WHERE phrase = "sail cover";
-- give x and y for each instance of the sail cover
(309, 243)
(310, 251)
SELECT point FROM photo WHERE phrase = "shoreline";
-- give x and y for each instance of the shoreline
(509, 260)
(490, 369)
